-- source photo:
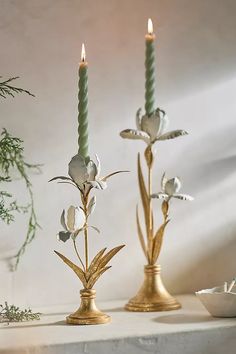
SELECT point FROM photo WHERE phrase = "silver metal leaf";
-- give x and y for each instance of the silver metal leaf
(95, 228)
(91, 205)
(98, 184)
(64, 178)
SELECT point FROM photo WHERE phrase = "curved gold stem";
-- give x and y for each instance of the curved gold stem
(77, 253)
(150, 236)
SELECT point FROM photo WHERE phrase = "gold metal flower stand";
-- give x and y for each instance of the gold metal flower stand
(152, 295)
(88, 313)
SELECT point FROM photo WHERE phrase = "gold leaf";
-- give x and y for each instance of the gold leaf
(149, 156)
(140, 233)
(107, 257)
(94, 277)
(78, 271)
(165, 208)
(157, 242)
(95, 262)
(144, 195)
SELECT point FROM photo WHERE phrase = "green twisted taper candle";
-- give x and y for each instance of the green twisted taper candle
(150, 70)
(83, 106)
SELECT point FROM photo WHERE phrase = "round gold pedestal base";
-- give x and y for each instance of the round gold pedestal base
(159, 305)
(152, 296)
(87, 314)
(77, 319)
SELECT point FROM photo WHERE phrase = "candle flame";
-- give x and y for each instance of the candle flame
(83, 53)
(150, 26)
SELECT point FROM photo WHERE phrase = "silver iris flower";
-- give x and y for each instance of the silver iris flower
(170, 189)
(151, 128)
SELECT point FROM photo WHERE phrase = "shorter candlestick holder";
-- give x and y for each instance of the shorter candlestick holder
(84, 174)
(88, 313)
(152, 295)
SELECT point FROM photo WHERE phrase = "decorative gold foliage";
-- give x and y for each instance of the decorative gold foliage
(140, 234)
(165, 208)
(94, 277)
(152, 247)
(144, 195)
(78, 271)
(107, 257)
(157, 242)
(95, 262)
(95, 270)
(149, 156)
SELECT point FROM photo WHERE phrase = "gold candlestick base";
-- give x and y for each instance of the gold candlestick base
(88, 313)
(152, 296)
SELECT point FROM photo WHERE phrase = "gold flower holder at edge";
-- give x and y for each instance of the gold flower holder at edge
(152, 295)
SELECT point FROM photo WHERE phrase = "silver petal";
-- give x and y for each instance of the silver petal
(172, 134)
(92, 170)
(151, 125)
(172, 186)
(159, 195)
(163, 181)
(135, 135)
(98, 164)
(138, 119)
(78, 170)
(64, 236)
(79, 219)
(164, 121)
(63, 221)
(183, 197)
(70, 218)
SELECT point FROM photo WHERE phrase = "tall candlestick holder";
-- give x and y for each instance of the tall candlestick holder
(152, 295)
(84, 175)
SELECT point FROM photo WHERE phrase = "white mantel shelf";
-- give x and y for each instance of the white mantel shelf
(189, 330)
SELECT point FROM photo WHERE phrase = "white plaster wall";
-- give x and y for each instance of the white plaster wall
(40, 42)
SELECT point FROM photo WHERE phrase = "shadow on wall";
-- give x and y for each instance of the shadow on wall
(211, 159)
(211, 269)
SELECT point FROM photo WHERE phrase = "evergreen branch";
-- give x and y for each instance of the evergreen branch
(11, 156)
(9, 90)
